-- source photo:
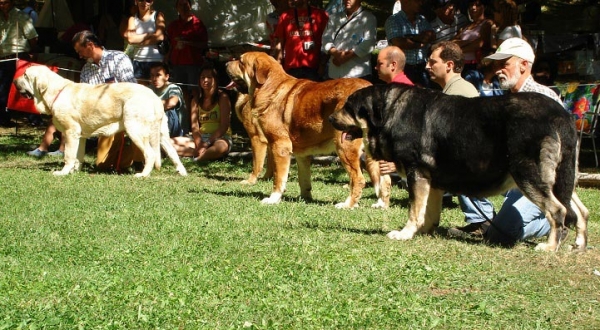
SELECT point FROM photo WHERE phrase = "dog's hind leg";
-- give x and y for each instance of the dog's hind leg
(349, 153)
(143, 143)
(381, 183)
(419, 187)
(72, 140)
(163, 141)
(166, 145)
(548, 184)
(304, 177)
(281, 151)
(581, 226)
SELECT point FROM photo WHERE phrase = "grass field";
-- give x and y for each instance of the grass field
(108, 251)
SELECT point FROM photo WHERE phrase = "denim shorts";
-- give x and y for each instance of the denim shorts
(226, 137)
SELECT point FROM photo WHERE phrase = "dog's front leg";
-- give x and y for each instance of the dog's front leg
(80, 154)
(281, 152)
(72, 140)
(433, 211)
(259, 152)
(418, 194)
(304, 177)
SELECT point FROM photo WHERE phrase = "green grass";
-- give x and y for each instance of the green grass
(94, 250)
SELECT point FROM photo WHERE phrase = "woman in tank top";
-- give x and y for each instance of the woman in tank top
(145, 30)
(506, 17)
(210, 117)
(475, 39)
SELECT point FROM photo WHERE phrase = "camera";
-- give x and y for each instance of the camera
(308, 45)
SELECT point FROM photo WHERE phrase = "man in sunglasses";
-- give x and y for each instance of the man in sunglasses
(17, 38)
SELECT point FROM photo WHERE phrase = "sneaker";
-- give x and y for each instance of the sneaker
(472, 229)
(37, 153)
(56, 153)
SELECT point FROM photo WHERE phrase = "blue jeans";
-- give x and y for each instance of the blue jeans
(518, 219)
(141, 70)
(472, 214)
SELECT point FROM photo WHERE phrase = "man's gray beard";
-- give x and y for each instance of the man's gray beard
(90, 60)
(509, 83)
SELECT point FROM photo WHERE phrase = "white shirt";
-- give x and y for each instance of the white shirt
(359, 34)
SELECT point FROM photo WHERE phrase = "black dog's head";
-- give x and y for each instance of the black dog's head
(366, 110)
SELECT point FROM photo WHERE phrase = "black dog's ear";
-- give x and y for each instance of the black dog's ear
(369, 108)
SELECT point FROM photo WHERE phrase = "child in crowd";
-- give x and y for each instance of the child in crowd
(170, 94)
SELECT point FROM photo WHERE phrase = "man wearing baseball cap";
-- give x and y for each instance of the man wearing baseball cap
(518, 218)
(513, 62)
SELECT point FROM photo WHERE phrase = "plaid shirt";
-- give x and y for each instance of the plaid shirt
(398, 25)
(114, 66)
(531, 86)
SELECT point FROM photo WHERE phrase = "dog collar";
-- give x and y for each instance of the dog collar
(56, 97)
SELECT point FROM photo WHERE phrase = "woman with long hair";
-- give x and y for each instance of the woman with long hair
(475, 41)
(210, 114)
(475, 38)
(506, 17)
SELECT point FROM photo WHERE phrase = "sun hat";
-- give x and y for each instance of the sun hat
(513, 47)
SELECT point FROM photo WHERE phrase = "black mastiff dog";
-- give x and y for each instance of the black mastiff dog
(471, 146)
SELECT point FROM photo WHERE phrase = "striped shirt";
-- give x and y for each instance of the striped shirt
(114, 66)
(445, 31)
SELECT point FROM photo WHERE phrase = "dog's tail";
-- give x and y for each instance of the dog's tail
(566, 180)
(165, 143)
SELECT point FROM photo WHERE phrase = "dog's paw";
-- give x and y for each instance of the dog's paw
(142, 175)
(181, 170)
(400, 235)
(248, 181)
(61, 173)
(346, 205)
(379, 205)
(275, 198)
(546, 247)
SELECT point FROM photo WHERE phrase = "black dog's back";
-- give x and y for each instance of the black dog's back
(466, 143)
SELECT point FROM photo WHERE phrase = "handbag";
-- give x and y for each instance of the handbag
(164, 46)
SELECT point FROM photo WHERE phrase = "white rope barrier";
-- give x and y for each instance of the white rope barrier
(559, 86)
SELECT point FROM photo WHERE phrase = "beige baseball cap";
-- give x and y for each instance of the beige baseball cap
(513, 47)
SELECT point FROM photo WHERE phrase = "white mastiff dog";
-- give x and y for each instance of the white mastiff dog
(83, 110)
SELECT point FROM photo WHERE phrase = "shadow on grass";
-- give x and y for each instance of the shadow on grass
(369, 232)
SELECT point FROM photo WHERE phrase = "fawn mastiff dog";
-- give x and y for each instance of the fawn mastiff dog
(80, 111)
(284, 116)
(471, 146)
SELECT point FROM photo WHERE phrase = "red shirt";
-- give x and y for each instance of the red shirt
(401, 78)
(191, 31)
(295, 55)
